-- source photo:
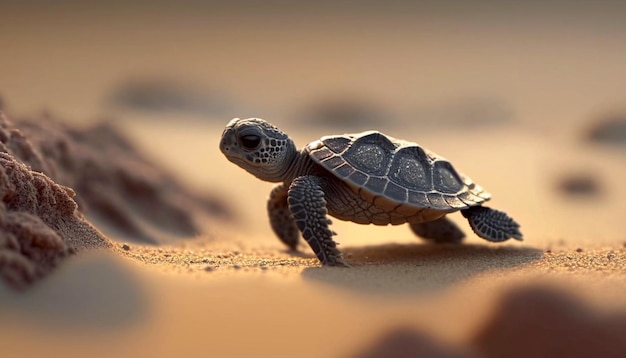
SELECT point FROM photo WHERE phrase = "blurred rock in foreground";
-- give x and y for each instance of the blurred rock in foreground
(407, 342)
(544, 322)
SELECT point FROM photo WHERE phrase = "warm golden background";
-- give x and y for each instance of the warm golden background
(510, 92)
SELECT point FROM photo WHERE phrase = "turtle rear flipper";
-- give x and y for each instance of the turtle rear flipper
(440, 231)
(492, 225)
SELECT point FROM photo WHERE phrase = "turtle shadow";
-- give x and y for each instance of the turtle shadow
(418, 268)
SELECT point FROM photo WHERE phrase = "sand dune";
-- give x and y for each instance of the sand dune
(137, 284)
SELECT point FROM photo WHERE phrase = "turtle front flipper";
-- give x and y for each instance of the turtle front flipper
(440, 231)
(281, 220)
(492, 225)
(308, 207)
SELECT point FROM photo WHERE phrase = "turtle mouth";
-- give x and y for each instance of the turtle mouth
(242, 162)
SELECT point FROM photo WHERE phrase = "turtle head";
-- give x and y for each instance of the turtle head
(258, 147)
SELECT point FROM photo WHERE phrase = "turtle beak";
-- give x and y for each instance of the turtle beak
(226, 143)
(228, 137)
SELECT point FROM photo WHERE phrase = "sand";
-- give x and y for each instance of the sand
(237, 282)
(124, 231)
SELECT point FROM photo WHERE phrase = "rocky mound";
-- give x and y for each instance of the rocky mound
(53, 176)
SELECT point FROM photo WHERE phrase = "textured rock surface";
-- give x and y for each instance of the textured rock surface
(39, 224)
(118, 188)
(53, 176)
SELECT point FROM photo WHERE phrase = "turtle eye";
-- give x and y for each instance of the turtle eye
(250, 141)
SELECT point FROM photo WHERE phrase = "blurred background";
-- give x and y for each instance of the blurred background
(526, 97)
(547, 63)
(531, 96)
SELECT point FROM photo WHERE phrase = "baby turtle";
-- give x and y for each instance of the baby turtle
(367, 178)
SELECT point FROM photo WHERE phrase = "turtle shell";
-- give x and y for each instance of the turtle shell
(377, 165)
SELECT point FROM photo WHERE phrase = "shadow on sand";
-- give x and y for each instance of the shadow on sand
(95, 291)
(418, 268)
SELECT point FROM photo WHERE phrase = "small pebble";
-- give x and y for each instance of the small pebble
(580, 185)
(209, 268)
(263, 267)
(611, 129)
(126, 247)
(579, 250)
(236, 267)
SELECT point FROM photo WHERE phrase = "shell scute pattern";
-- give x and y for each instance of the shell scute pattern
(467, 198)
(337, 144)
(344, 171)
(445, 178)
(401, 172)
(454, 202)
(371, 154)
(418, 199)
(396, 192)
(323, 153)
(358, 178)
(376, 184)
(334, 162)
(436, 200)
(411, 169)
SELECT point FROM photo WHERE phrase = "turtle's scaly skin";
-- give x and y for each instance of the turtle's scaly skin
(365, 178)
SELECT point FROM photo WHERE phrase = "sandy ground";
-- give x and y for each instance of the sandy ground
(231, 289)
